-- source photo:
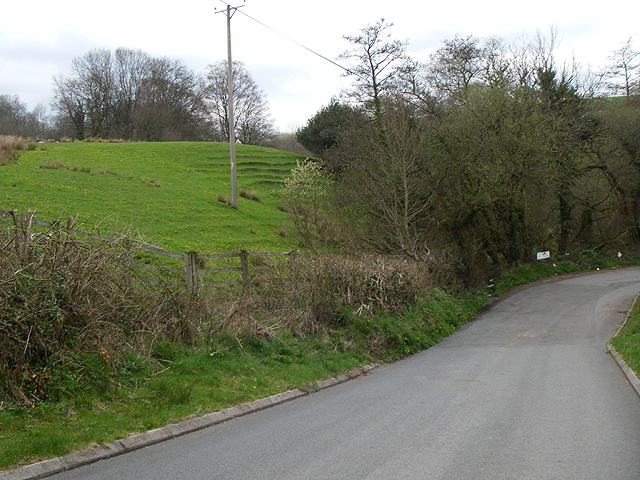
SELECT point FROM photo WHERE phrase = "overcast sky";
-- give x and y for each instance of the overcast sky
(39, 39)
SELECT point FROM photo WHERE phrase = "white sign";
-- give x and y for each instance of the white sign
(543, 255)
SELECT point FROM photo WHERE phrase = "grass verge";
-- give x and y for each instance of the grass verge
(627, 342)
(229, 369)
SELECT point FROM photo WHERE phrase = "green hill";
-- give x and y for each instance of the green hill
(166, 191)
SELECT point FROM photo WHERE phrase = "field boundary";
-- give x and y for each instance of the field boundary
(193, 262)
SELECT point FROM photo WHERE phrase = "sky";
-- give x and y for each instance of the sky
(39, 39)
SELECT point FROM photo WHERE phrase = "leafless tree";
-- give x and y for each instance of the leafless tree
(170, 106)
(131, 67)
(375, 64)
(70, 106)
(253, 124)
(623, 74)
(455, 65)
(129, 95)
(94, 72)
(16, 119)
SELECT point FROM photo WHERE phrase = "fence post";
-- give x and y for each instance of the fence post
(244, 267)
(292, 262)
(16, 233)
(191, 270)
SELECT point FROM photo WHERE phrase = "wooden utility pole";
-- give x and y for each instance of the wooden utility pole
(232, 125)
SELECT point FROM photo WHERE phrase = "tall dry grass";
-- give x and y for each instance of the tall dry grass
(312, 292)
(9, 148)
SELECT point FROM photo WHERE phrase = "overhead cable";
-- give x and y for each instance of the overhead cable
(298, 43)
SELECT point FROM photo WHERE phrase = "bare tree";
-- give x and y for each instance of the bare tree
(376, 64)
(251, 109)
(130, 69)
(95, 79)
(384, 185)
(623, 74)
(70, 105)
(455, 66)
(446, 79)
(169, 107)
(129, 95)
(16, 119)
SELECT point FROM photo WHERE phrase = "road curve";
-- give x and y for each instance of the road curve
(526, 391)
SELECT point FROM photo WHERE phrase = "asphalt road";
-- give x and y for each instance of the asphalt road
(526, 391)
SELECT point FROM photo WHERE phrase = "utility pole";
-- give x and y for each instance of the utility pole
(232, 126)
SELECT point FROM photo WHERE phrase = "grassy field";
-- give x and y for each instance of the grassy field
(166, 191)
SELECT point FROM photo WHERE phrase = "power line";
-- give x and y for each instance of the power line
(297, 43)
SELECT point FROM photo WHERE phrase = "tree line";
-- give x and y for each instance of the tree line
(130, 95)
(485, 154)
(17, 120)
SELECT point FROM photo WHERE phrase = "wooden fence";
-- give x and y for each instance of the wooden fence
(194, 273)
(194, 262)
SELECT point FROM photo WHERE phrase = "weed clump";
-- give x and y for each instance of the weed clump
(56, 164)
(222, 198)
(249, 194)
(9, 147)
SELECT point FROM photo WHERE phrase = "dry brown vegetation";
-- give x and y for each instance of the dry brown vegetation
(9, 147)
(249, 194)
(314, 291)
(74, 309)
(56, 164)
(222, 198)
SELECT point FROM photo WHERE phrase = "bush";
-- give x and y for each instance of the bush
(316, 292)
(72, 310)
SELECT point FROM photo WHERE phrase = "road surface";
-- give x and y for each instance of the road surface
(526, 391)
